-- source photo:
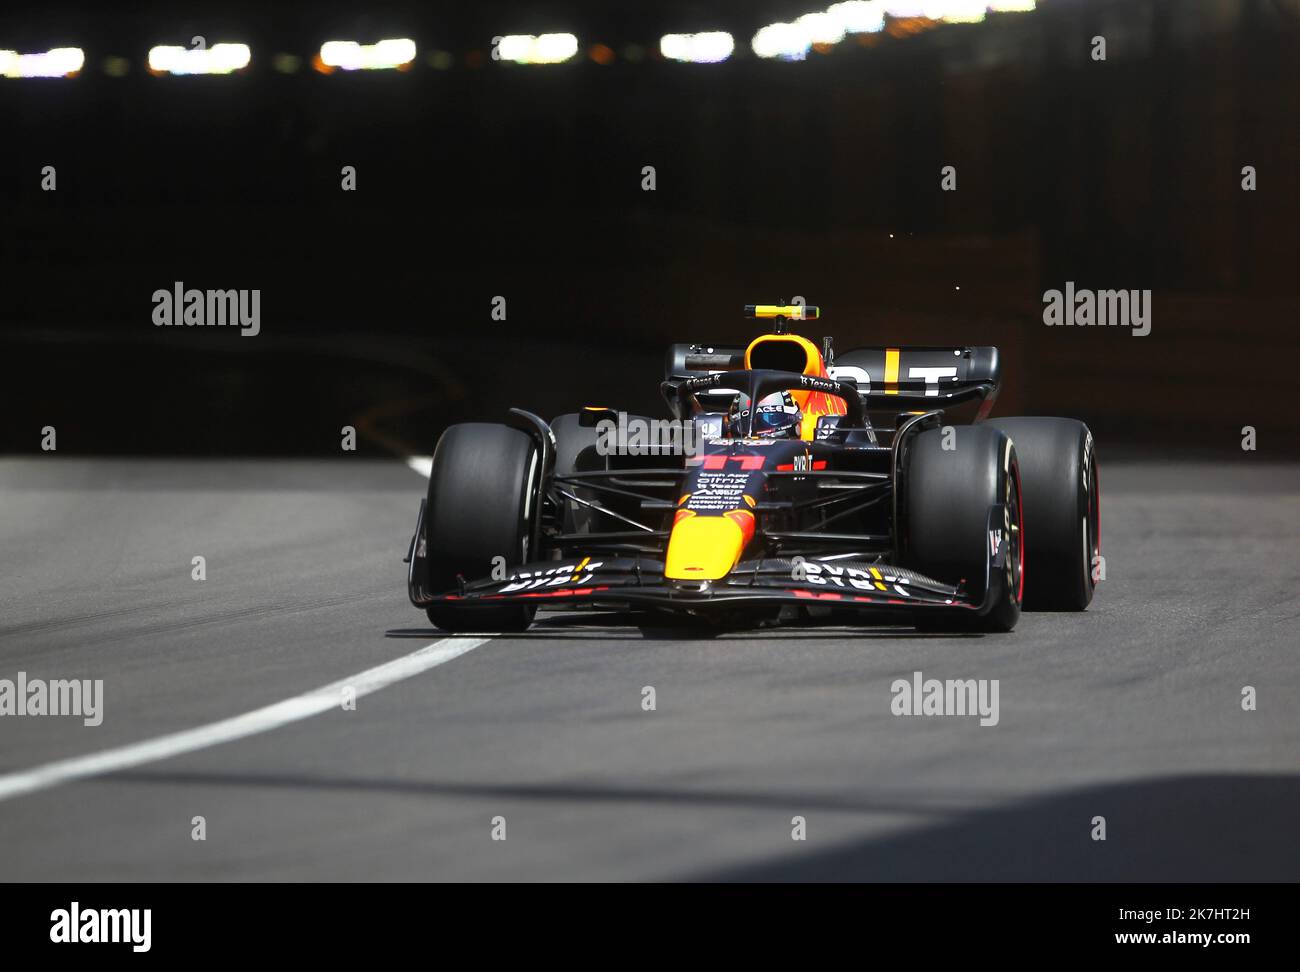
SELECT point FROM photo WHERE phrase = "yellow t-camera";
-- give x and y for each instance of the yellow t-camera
(792, 312)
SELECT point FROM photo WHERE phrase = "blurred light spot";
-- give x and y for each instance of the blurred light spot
(601, 53)
(708, 47)
(286, 63)
(905, 8)
(859, 16)
(546, 49)
(821, 28)
(956, 11)
(217, 59)
(790, 42)
(909, 26)
(386, 55)
(634, 53)
(1011, 6)
(441, 60)
(116, 67)
(59, 62)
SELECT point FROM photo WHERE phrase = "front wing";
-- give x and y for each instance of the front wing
(639, 582)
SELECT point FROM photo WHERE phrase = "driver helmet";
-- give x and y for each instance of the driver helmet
(777, 416)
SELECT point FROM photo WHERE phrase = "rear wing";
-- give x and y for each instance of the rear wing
(901, 377)
(932, 377)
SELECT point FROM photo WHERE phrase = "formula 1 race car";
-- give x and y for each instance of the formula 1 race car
(785, 478)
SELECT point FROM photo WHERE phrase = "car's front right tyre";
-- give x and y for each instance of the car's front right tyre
(954, 476)
(1062, 510)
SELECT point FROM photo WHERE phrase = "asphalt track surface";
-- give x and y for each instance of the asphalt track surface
(1130, 711)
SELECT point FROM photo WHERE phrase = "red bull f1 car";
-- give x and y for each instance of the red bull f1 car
(783, 478)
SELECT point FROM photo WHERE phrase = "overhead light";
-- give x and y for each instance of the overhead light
(217, 59)
(385, 55)
(859, 16)
(527, 49)
(59, 62)
(790, 42)
(708, 47)
(956, 11)
(902, 9)
(821, 28)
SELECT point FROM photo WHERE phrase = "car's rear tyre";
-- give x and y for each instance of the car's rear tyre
(1058, 473)
(575, 451)
(479, 508)
(945, 533)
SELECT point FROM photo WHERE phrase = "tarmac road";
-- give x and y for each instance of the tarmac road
(1131, 711)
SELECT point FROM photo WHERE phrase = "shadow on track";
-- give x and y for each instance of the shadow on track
(1219, 828)
(1212, 828)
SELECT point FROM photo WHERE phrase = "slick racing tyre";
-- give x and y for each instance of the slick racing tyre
(948, 493)
(479, 508)
(1058, 473)
(575, 451)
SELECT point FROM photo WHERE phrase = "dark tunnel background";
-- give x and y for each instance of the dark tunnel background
(819, 178)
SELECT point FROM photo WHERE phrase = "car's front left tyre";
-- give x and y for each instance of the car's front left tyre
(479, 516)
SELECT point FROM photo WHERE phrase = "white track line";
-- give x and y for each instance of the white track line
(270, 717)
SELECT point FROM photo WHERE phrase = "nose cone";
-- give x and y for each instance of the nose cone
(707, 547)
